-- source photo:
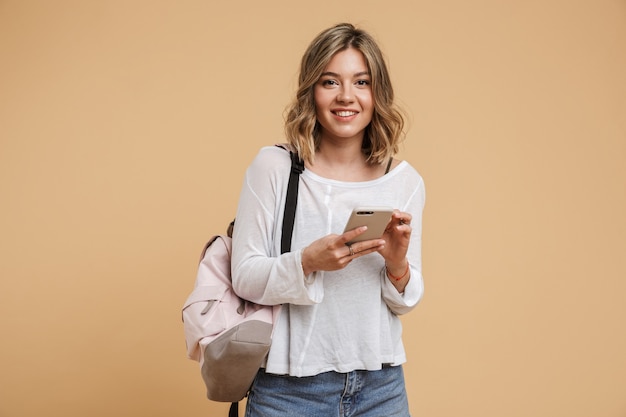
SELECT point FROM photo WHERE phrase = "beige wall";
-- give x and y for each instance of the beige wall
(125, 128)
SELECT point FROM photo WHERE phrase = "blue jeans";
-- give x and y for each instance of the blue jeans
(330, 394)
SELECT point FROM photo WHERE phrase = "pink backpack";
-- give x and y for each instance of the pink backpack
(228, 335)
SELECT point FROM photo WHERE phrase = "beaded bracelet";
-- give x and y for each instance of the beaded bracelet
(395, 278)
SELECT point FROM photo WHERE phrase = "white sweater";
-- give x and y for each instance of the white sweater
(330, 321)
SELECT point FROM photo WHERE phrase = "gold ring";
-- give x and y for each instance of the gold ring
(351, 250)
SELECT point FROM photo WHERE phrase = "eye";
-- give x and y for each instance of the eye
(329, 83)
(363, 83)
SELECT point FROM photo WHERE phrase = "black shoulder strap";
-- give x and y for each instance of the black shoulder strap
(297, 167)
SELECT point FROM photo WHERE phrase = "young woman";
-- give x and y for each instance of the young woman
(337, 347)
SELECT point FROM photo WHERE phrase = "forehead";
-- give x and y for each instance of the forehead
(346, 62)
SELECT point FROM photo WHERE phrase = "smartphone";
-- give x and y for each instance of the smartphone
(375, 218)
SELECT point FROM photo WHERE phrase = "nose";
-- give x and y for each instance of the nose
(345, 95)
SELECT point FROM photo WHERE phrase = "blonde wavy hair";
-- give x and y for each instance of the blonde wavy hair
(384, 132)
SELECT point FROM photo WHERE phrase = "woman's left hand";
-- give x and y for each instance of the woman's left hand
(397, 237)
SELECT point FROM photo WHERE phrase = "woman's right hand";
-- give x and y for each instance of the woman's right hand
(331, 252)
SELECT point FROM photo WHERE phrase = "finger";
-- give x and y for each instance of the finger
(367, 246)
(365, 252)
(351, 234)
(402, 218)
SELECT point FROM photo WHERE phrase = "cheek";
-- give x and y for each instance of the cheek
(369, 99)
(319, 98)
(367, 102)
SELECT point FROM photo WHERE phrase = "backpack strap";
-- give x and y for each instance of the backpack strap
(297, 167)
(233, 411)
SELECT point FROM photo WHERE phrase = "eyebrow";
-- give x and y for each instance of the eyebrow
(334, 74)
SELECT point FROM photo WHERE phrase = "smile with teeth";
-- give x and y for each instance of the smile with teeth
(345, 113)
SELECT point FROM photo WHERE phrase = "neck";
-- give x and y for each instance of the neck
(344, 162)
(340, 153)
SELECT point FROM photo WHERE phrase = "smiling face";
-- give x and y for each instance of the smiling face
(344, 103)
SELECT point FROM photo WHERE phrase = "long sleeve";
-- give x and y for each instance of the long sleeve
(260, 273)
(405, 302)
